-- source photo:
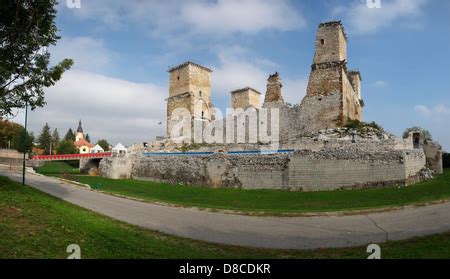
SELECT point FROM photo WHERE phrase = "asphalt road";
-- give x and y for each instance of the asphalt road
(268, 232)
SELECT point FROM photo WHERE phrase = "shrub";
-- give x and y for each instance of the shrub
(66, 147)
(362, 126)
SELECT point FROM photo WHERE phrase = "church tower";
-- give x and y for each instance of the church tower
(189, 89)
(79, 135)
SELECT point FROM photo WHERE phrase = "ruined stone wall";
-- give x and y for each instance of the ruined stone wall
(325, 170)
(304, 170)
(273, 91)
(350, 102)
(433, 153)
(117, 167)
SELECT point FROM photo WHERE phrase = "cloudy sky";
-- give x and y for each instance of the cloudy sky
(122, 50)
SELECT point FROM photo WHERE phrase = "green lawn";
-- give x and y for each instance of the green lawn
(36, 225)
(58, 168)
(273, 202)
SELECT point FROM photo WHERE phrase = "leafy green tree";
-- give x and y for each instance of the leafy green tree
(66, 147)
(24, 142)
(104, 144)
(27, 29)
(12, 135)
(9, 133)
(69, 135)
(45, 139)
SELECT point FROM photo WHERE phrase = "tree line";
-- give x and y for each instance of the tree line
(13, 136)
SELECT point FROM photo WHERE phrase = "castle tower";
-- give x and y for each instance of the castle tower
(190, 89)
(80, 134)
(333, 94)
(245, 98)
(331, 43)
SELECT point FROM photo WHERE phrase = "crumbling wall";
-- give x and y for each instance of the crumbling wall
(304, 170)
(433, 153)
(273, 93)
(116, 167)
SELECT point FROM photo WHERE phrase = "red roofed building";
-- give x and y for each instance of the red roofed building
(83, 145)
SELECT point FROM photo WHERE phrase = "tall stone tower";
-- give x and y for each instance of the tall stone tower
(245, 98)
(190, 89)
(333, 94)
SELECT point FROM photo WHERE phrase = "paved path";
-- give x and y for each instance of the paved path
(269, 232)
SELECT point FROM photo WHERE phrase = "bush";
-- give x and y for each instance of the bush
(446, 160)
(362, 126)
(66, 147)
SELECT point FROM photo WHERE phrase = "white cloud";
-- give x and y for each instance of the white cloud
(213, 17)
(437, 111)
(379, 84)
(247, 16)
(115, 109)
(423, 110)
(88, 53)
(362, 19)
(237, 70)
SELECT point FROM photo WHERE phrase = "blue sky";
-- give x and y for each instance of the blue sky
(122, 50)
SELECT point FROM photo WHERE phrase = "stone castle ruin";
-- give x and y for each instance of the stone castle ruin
(315, 148)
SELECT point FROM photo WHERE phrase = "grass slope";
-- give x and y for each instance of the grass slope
(36, 225)
(269, 201)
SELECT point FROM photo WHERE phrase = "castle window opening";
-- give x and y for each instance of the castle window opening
(178, 78)
(322, 41)
(416, 140)
(203, 115)
(200, 93)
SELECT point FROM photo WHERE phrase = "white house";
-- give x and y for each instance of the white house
(119, 149)
(97, 149)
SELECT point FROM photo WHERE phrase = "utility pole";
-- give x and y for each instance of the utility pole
(26, 135)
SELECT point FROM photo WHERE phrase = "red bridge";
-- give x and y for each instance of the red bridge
(67, 157)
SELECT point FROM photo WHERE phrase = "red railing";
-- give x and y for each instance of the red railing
(64, 157)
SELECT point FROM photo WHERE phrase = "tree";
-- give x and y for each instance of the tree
(88, 139)
(104, 144)
(27, 29)
(66, 147)
(69, 135)
(45, 139)
(24, 142)
(12, 135)
(55, 138)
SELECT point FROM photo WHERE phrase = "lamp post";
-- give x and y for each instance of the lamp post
(25, 134)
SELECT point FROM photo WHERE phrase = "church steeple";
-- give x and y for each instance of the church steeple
(79, 134)
(80, 129)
